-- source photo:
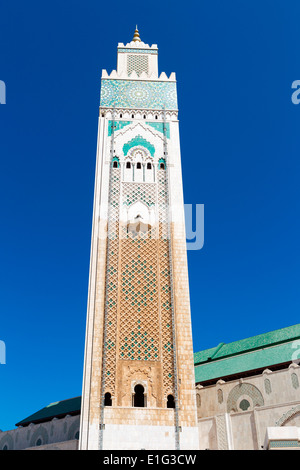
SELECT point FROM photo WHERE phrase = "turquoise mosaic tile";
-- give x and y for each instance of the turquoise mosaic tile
(159, 126)
(138, 94)
(278, 444)
(137, 141)
(118, 125)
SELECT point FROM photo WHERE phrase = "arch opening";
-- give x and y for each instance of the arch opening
(170, 401)
(139, 396)
(107, 399)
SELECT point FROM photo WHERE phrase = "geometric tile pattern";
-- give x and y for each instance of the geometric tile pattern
(279, 444)
(165, 286)
(138, 94)
(244, 389)
(138, 283)
(137, 63)
(139, 313)
(222, 437)
(133, 192)
(112, 281)
(139, 51)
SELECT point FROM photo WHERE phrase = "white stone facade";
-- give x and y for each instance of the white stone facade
(55, 434)
(274, 402)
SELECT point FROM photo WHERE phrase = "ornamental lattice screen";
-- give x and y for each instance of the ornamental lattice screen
(138, 293)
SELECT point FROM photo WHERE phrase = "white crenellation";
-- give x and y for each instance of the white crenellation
(151, 76)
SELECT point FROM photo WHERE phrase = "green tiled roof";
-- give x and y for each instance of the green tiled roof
(56, 409)
(265, 350)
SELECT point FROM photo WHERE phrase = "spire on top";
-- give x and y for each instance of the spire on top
(136, 36)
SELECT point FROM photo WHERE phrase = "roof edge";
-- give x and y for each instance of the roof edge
(218, 348)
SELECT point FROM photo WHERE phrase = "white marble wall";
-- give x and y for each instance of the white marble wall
(221, 427)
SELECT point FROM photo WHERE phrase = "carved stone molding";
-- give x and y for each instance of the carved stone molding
(288, 415)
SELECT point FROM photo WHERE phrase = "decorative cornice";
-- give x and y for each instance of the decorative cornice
(133, 50)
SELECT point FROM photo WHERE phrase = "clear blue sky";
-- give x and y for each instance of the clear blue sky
(235, 62)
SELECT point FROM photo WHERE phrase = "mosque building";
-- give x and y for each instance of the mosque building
(143, 386)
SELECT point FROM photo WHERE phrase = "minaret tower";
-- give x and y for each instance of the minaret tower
(138, 381)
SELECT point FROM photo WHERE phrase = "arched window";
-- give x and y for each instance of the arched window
(162, 164)
(115, 162)
(170, 401)
(128, 165)
(138, 396)
(295, 381)
(149, 166)
(138, 166)
(107, 399)
(268, 387)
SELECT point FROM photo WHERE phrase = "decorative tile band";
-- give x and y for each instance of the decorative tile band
(139, 51)
(276, 444)
(138, 94)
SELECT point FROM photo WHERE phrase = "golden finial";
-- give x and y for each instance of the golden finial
(136, 36)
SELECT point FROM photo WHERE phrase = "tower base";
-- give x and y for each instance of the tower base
(128, 429)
